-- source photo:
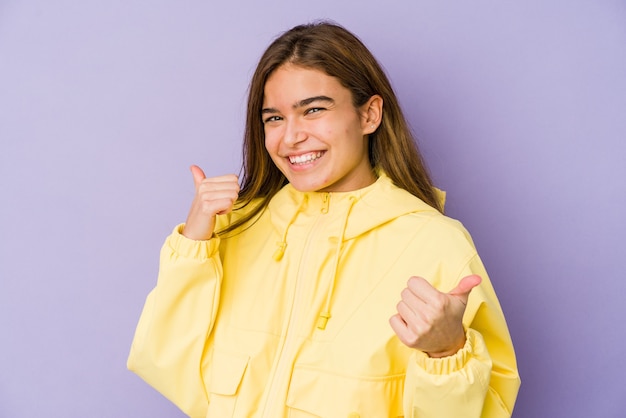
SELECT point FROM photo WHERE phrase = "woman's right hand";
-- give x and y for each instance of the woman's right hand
(214, 196)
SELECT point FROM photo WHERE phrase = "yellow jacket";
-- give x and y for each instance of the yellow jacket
(289, 318)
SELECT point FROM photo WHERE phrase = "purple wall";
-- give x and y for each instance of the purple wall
(520, 108)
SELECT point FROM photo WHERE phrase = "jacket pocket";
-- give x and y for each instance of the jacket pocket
(225, 376)
(316, 393)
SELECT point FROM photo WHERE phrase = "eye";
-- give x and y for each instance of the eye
(314, 110)
(272, 119)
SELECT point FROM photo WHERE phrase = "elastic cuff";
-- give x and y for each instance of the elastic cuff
(190, 248)
(474, 344)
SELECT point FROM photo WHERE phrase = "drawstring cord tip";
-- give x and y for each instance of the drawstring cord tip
(280, 251)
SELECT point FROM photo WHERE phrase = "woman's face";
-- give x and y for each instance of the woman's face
(313, 132)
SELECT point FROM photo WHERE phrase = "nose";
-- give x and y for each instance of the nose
(294, 133)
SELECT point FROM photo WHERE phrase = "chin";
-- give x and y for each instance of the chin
(304, 187)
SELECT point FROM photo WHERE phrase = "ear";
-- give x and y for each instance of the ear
(371, 114)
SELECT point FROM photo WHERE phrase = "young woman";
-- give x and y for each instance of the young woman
(330, 284)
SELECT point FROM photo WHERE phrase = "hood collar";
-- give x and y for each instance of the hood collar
(372, 206)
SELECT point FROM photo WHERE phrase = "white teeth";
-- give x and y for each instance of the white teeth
(305, 158)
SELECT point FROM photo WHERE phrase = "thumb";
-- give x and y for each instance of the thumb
(198, 175)
(465, 286)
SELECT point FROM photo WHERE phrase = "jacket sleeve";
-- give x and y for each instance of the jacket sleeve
(481, 380)
(169, 344)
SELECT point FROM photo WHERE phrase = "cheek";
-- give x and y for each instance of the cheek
(272, 145)
(270, 142)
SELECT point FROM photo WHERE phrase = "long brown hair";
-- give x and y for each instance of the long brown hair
(332, 49)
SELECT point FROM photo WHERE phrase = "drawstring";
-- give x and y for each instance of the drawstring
(282, 246)
(322, 320)
(324, 315)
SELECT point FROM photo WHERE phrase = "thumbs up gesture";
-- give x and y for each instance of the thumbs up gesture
(214, 196)
(431, 321)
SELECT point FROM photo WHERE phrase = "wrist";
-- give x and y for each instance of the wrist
(449, 352)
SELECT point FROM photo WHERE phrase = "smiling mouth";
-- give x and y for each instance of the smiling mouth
(305, 158)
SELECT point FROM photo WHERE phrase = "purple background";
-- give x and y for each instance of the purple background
(520, 108)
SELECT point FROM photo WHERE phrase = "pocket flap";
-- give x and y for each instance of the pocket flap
(227, 370)
(328, 395)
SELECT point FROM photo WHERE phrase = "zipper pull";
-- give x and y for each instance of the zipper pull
(325, 202)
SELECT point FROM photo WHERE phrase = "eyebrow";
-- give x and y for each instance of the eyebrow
(301, 103)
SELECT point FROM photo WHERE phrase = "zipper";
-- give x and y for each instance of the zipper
(285, 358)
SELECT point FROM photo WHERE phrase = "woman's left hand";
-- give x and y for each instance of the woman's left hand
(430, 320)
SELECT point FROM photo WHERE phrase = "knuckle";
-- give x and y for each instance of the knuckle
(439, 302)
(428, 321)
(412, 340)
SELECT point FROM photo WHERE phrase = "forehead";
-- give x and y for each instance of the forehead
(289, 84)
